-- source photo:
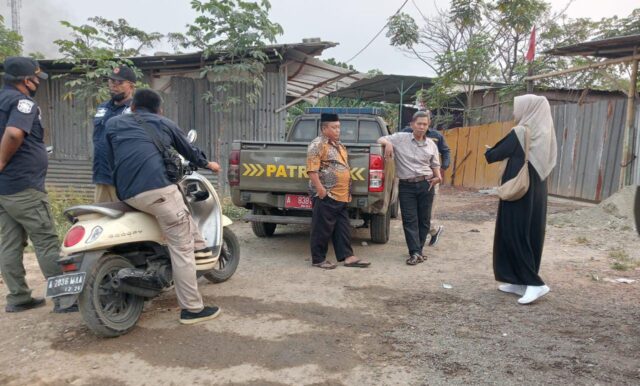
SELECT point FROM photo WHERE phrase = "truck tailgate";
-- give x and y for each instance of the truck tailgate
(282, 167)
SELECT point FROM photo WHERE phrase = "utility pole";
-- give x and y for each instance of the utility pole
(15, 14)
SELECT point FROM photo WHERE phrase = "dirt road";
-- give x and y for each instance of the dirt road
(286, 323)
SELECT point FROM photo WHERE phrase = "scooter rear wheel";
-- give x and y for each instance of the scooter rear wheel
(108, 313)
(229, 258)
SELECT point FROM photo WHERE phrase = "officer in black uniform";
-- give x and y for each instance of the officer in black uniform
(121, 86)
(24, 204)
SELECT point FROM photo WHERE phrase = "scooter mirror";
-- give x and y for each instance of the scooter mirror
(192, 135)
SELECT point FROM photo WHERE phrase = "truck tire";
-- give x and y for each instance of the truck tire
(380, 227)
(263, 229)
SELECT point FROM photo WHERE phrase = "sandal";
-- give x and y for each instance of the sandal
(358, 264)
(325, 265)
(414, 259)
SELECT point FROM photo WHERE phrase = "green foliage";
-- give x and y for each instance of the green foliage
(334, 62)
(95, 49)
(233, 34)
(402, 30)
(233, 212)
(10, 41)
(466, 13)
(61, 200)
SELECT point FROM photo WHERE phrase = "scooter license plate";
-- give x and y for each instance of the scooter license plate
(68, 284)
(298, 201)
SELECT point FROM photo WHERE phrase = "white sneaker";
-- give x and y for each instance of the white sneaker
(517, 289)
(532, 293)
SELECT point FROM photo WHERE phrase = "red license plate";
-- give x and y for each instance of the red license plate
(298, 201)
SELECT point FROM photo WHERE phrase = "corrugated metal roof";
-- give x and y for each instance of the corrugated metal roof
(388, 88)
(310, 79)
(277, 53)
(616, 47)
(385, 88)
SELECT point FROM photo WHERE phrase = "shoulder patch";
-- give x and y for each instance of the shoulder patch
(101, 112)
(25, 106)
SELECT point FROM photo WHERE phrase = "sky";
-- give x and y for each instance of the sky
(351, 23)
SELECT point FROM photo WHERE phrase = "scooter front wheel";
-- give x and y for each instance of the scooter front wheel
(107, 312)
(229, 258)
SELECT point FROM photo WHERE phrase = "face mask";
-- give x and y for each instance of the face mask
(32, 93)
(119, 97)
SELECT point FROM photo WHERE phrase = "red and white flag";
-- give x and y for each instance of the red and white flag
(532, 46)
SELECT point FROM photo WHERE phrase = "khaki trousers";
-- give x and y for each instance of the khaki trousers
(105, 193)
(26, 214)
(180, 231)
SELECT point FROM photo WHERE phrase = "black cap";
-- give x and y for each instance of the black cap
(19, 67)
(325, 117)
(123, 73)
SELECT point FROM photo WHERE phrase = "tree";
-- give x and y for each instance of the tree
(10, 41)
(477, 41)
(233, 35)
(95, 49)
(456, 45)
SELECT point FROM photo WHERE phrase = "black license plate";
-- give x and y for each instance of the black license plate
(69, 284)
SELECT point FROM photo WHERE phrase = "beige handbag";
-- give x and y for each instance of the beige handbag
(515, 188)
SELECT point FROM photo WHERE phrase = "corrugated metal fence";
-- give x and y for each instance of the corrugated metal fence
(589, 140)
(69, 130)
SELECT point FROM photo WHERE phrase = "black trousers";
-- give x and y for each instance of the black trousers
(330, 221)
(415, 205)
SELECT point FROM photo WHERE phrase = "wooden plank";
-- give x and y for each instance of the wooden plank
(493, 172)
(461, 153)
(468, 178)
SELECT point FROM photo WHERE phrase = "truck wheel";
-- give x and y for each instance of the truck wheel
(108, 313)
(394, 209)
(229, 258)
(263, 229)
(380, 227)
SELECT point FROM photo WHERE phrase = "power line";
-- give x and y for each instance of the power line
(378, 34)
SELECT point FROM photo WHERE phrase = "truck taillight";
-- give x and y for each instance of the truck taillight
(376, 173)
(233, 174)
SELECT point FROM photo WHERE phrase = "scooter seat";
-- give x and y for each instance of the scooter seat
(109, 209)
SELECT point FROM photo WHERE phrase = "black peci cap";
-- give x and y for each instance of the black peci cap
(325, 117)
(123, 73)
(19, 67)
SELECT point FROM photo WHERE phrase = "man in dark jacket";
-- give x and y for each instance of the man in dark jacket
(121, 84)
(141, 181)
(445, 159)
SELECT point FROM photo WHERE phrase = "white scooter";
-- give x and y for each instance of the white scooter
(115, 257)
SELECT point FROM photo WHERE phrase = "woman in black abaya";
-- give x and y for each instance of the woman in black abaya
(520, 225)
